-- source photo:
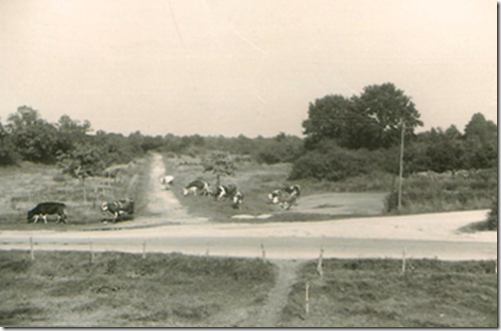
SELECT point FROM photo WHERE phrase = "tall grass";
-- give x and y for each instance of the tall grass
(26, 186)
(123, 290)
(374, 293)
(434, 192)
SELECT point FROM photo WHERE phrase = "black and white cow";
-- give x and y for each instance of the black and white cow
(224, 192)
(48, 208)
(119, 208)
(286, 196)
(167, 181)
(196, 187)
(238, 199)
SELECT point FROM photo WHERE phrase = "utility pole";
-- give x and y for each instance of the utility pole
(401, 171)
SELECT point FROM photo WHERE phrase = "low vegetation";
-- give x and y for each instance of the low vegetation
(26, 185)
(67, 289)
(375, 293)
(432, 192)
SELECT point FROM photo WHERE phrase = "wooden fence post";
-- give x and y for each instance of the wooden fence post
(319, 265)
(144, 249)
(91, 252)
(263, 252)
(307, 298)
(403, 261)
(32, 253)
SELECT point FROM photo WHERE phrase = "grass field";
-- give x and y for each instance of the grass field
(67, 289)
(26, 186)
(64, 289)
(374, 293)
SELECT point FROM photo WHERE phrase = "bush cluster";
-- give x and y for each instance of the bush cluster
(333, 163)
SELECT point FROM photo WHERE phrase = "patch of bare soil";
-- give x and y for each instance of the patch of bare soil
(342, 204)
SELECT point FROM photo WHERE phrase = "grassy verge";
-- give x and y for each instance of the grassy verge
(123, 290)
(374, 293)
(437, 193)
(26, 186)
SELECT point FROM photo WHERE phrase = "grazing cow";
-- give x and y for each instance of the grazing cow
(225, 192)
(48, 208)
(287, 201)
(119, 208)
(278, 194)
(287, 196)
(197, 186)
(167, 181)
(238, 199)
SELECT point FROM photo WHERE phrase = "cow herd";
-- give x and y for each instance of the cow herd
(285, 197)
(120, 209)
(228, 192)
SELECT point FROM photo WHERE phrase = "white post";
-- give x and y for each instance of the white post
(32, 253)
(144, 249)
(263, 252)
(401, 171)
(307, 298)
(403, 261)
(91, 252)
(319, 265)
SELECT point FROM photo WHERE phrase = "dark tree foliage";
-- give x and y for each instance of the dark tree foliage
(384, 109)
(436, 150)
(492, 217)
(372, 120)
(481, 149)
(34, 139)
(449, 150)
(334, 163)
(8, 155)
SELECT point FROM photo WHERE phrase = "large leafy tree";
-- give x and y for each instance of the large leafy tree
(70, 133)
(35, 139)
(480, 143)
(383, 110)
(372, 120)
(328, 118)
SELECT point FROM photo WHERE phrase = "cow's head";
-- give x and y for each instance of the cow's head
(238, 198)
(274, 197)
(104, 206)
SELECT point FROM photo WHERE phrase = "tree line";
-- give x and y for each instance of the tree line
(343, 137)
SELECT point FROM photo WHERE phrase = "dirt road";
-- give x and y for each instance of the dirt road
(427, 236)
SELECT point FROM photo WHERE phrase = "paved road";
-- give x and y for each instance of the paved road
(421, 236)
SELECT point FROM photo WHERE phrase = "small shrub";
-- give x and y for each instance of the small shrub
(492, 218)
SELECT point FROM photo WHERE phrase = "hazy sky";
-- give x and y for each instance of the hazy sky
(239, 66)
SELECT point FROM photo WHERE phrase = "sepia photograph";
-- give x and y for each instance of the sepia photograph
(248, 163)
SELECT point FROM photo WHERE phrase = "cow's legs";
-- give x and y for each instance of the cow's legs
(44, 216)
(36, 219)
